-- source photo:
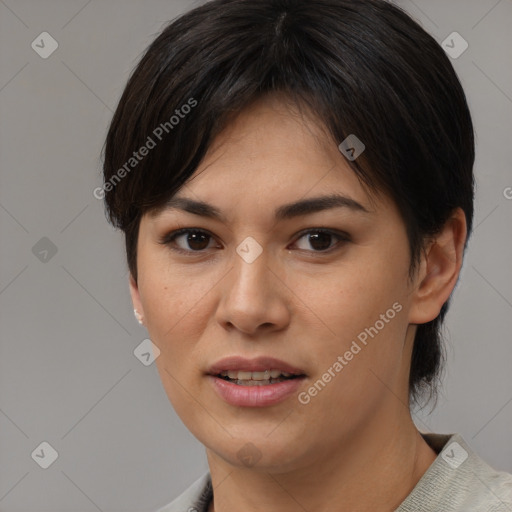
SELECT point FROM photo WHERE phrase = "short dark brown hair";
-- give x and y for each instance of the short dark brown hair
(363, 67)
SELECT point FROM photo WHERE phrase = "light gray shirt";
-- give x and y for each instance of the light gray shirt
(457, 481)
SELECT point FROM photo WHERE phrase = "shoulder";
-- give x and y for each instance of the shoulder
(194, 499)
(459, 480)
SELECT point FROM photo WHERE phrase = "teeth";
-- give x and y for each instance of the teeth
(258, 382)
(260, 375)
(255, 376)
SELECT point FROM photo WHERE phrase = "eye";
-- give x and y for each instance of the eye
(320, 239)
(192, 240)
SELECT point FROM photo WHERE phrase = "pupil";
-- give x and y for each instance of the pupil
(318, 236)
(193, 239)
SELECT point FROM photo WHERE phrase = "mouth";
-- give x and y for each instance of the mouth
(256, 388)
(261, 378)
(259, 371)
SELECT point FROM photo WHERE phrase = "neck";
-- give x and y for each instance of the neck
(375, 470)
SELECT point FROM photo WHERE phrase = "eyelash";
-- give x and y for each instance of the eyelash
(169, 238)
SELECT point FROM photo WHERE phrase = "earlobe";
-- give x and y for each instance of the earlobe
(138, 310)
(439, 271)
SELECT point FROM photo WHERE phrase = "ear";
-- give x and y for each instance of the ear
(134, 292)
(439, 269)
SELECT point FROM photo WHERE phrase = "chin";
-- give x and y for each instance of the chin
(260, 453)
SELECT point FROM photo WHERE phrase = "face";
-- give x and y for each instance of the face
(323, 289)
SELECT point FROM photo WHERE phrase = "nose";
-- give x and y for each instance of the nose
(253, 298)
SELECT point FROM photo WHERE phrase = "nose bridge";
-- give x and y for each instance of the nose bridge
(250, 298)
(250, 280)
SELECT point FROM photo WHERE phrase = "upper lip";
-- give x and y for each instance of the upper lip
(258, 364)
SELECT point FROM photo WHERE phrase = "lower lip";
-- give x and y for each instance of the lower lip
(255, 396)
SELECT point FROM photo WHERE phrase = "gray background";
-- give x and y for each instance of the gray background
(68, 375)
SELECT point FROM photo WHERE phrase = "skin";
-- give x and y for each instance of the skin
(354, 445)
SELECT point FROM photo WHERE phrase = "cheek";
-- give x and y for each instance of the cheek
(364, 323)
(168, 293)
(361, 301)
(174, 305)
(354, 296)
(176, 309)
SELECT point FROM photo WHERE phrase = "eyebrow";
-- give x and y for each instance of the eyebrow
(284, 212)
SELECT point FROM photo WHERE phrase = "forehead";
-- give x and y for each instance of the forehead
(270, 156)
(273, 126)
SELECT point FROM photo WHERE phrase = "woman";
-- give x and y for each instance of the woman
(249, 133)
